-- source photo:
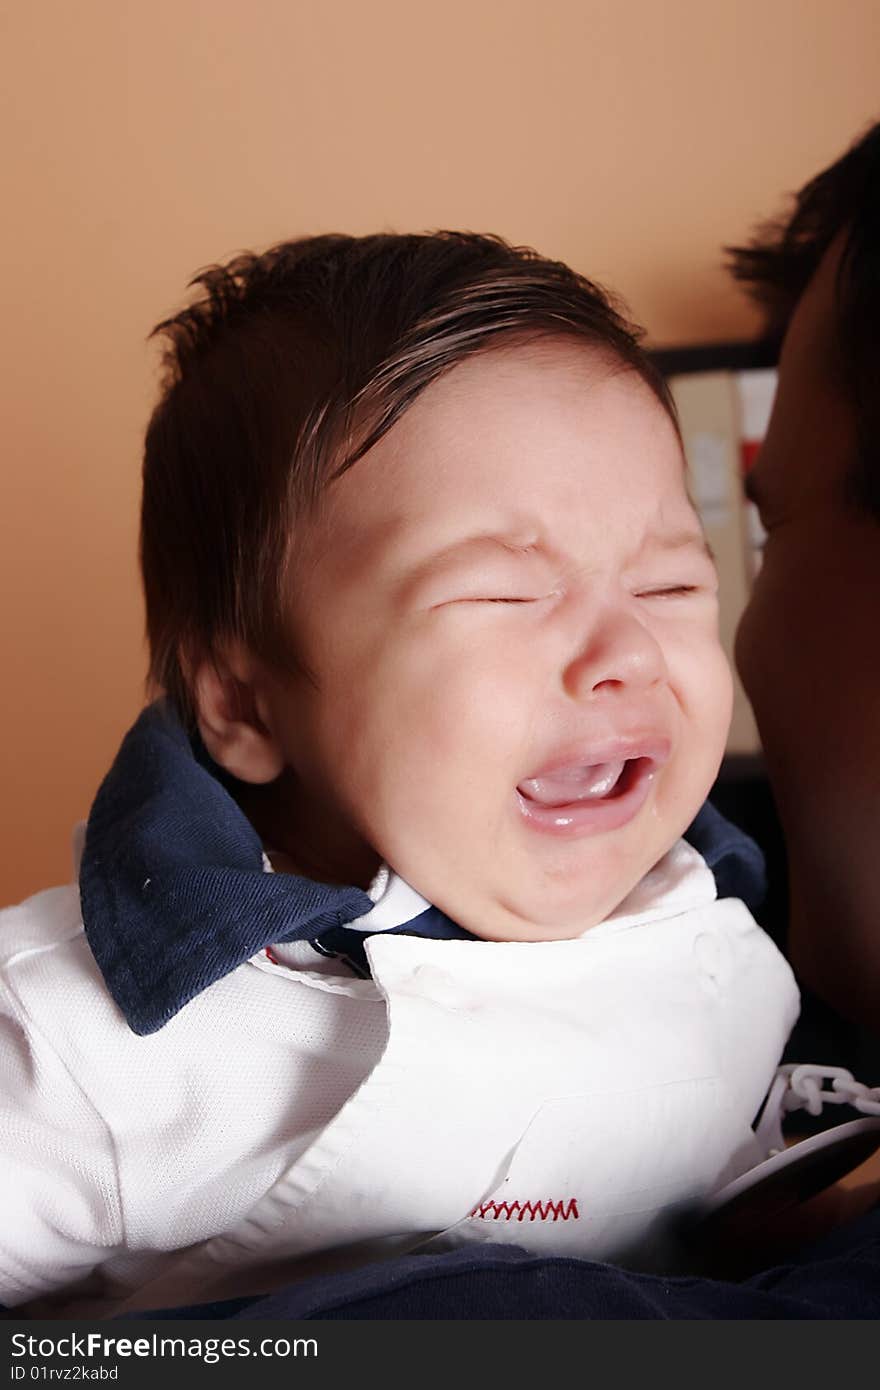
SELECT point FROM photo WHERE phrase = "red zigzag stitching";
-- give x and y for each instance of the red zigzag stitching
(518, 1211)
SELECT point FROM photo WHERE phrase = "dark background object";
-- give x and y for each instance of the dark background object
(743, 794)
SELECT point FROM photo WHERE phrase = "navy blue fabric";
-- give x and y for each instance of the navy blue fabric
(838, 1277)
(734, 858)
(174, 895)
(172, 887)
(339, 941)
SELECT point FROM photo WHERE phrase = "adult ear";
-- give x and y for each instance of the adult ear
(233, 716)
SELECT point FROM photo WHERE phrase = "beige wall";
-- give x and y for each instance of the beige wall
(145, 138)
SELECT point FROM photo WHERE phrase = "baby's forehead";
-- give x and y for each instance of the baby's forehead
(516, 390)
(495, 367)
(525, 441)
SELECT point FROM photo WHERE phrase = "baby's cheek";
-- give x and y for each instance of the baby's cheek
(705, 682)
(466, 715)
(721, 699)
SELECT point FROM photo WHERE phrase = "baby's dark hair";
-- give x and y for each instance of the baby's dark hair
(285, 371)
(781, 259)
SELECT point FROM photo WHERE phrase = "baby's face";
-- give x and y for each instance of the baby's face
(512, 618)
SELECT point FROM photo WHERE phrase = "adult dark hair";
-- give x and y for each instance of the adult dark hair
(285, 371)
(779, 261)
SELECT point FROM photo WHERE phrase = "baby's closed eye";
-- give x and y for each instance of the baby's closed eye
(671, 591)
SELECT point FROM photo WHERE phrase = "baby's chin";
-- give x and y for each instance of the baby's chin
(511, 894)
(534, 931)
(506, 920)
(550, 908)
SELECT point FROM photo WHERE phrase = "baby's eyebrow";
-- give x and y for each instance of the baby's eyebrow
(515, 545)
(518, 546)
(680, 540)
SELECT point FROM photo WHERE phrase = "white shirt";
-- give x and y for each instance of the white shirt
(287, 1112)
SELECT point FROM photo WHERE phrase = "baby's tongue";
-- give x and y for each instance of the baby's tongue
(577, 783)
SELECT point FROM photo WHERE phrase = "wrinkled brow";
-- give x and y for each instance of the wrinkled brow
(518, 546)
(512, 544)
(678, 540)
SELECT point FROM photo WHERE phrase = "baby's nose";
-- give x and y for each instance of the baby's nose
(618, 653)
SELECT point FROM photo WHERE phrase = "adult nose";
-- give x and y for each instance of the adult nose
(618, 654)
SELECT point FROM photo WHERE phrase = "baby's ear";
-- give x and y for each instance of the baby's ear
(230, 713)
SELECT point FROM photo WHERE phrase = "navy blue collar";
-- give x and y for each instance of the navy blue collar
(174, 893)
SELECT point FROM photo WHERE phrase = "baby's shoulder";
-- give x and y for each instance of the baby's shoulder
(43, 922)
(49, 980)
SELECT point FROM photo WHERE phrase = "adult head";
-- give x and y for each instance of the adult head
(807, 648)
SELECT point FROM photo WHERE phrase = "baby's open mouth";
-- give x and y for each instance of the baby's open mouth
(592, 789)
(582, 782)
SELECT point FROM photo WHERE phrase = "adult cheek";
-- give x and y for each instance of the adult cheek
(756, 654)
(747, 638)
(773, 657)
